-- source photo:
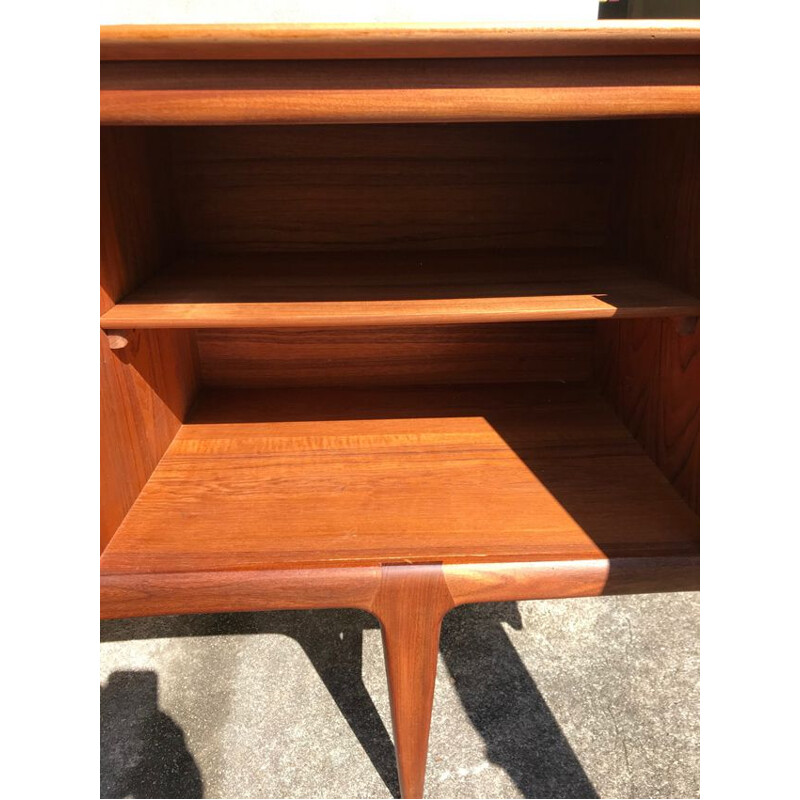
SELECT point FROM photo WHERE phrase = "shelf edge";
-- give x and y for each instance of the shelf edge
(121, 320)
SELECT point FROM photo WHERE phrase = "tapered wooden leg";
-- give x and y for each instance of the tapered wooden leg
(410, 605)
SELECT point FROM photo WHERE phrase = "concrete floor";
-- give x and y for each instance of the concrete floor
(567, 698)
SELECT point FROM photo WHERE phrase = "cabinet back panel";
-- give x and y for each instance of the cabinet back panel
(396, 355)
(392, 186)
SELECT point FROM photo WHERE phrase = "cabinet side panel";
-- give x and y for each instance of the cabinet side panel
(658, 220)
(679, 423)
(135, 214)
(145, 388)
(651, 375)
(145, 391)
(649, 371)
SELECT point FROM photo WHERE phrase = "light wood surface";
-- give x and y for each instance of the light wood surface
(259, 479)
(117, 340)
(145, 390)
(622, 38)
(381, 90)
(346, 290)
(410, 603)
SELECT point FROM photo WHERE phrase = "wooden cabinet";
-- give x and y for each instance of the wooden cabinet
(398, 319)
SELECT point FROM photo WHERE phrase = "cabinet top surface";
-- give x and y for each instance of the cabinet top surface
(357, 41)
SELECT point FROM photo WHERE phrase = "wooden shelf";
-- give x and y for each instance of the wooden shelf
(259, 479)
(393, 288)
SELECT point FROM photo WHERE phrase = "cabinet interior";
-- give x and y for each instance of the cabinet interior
(477, 340)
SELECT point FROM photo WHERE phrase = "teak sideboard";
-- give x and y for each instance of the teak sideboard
(398, 318)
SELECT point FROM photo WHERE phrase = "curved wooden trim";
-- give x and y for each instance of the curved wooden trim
(547, 580)
(138, 595)
(410, 604)
(455, 90)
(469, 105)
(248, 42)
(143, 595)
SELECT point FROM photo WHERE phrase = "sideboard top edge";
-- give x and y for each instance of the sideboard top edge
(355, 41)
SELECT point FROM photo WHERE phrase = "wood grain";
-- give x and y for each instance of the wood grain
(348, 290)
(147, 594)
(410, 604)
(392, 356)
(401, 90)
(135, 215)
(678, 453)
(321, 256)
(144, 395)
(651, 374)
(542, 580)
(660, 214)
(649, 370)
(260, 479)
(146, 388)
(255, 42)
(390, 187)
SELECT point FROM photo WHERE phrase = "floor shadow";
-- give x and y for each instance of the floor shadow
(493, 684)
(505, 706)
(143, 752)
(332, 639)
